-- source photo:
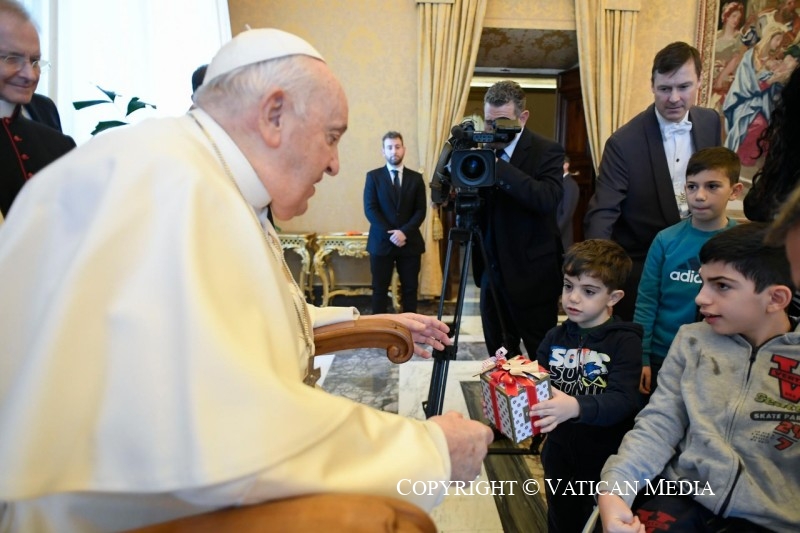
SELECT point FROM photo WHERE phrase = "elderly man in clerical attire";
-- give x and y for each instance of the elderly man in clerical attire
(30, 128)
(154, 343)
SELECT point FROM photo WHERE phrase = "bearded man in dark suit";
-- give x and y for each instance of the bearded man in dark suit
(395, 205)
(521, 283)
(640, 188)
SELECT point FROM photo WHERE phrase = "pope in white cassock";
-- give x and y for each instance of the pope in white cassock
(153, 344)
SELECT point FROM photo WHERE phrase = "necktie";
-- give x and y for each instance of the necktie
(679, 128)
(396, 183)
(501, 154)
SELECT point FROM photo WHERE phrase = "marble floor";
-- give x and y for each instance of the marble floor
(366, 376)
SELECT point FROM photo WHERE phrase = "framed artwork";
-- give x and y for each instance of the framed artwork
(749, 48)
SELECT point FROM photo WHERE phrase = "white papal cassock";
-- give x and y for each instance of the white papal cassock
(152, 356)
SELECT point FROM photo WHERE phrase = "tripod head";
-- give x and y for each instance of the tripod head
(467, 205)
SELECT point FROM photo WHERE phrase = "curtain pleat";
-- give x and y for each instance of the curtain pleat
(449, 35)
(606, 30)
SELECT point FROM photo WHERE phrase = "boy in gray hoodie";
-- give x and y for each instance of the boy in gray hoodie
(718, 446)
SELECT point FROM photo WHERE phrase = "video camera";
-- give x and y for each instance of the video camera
(462, 166)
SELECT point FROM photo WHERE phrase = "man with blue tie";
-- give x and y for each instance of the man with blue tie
(640, 186)
(395, 203)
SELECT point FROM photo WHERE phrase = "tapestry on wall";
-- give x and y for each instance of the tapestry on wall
(752, 46)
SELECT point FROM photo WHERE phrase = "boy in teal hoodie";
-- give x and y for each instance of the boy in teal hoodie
(670, 280)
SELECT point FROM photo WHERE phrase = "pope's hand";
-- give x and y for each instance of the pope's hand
(468, 441)
(424, 330)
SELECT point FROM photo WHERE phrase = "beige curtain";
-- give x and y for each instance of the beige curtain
(449, 33)
(606, 31)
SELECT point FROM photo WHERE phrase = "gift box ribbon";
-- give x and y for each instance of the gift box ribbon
(513, 374)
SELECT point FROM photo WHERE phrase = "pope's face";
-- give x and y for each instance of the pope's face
(18, 38)
(309, 146)
(675, 92)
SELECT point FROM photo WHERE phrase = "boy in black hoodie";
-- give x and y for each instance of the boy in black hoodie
(594, 360)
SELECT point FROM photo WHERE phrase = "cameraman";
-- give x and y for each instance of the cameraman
(520, 234)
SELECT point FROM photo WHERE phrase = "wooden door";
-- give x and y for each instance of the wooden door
(571, 132)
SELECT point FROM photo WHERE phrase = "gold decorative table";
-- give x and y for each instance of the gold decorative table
(302, 244)
(344, 244)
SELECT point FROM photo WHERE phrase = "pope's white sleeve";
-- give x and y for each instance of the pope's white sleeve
(370, 452)
(323, 316)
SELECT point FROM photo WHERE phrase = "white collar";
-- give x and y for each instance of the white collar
(512, 145)
(243, 174)
(6, 108)
(663, 123)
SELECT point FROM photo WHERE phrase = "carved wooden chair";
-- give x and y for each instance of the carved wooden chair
(351, 513)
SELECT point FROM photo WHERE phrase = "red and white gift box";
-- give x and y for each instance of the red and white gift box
(510, 388)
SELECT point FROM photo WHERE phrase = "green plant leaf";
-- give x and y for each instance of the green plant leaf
(88, 103)
(136, 104)
(110, 94)
(107, 124)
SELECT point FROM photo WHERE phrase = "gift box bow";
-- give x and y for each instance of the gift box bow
(515, 373)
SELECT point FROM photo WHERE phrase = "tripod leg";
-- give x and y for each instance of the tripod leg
(441, 358)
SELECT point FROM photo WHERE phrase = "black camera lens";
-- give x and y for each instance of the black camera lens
(473, 168)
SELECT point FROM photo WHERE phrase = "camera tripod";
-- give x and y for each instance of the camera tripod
(466, 231)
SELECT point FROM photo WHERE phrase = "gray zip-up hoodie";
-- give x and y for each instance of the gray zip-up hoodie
(724, 415)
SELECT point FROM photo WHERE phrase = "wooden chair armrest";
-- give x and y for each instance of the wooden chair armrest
(331, 513)
(366, 332)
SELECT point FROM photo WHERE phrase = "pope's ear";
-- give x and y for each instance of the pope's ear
(272, 110)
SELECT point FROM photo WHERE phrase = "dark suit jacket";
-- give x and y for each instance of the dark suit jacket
(43, 110)
(25, 148)
(518, 222)
(633, 197)
(385, 214)
(566, 210)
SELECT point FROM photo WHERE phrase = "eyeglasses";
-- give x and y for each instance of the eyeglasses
(17, 62)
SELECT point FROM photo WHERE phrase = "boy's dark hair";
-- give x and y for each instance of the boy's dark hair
(743, 247)
(774, 181)
(391, 135)
(788, 217)
(716, 158)
(674, 56)
(600, 258)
